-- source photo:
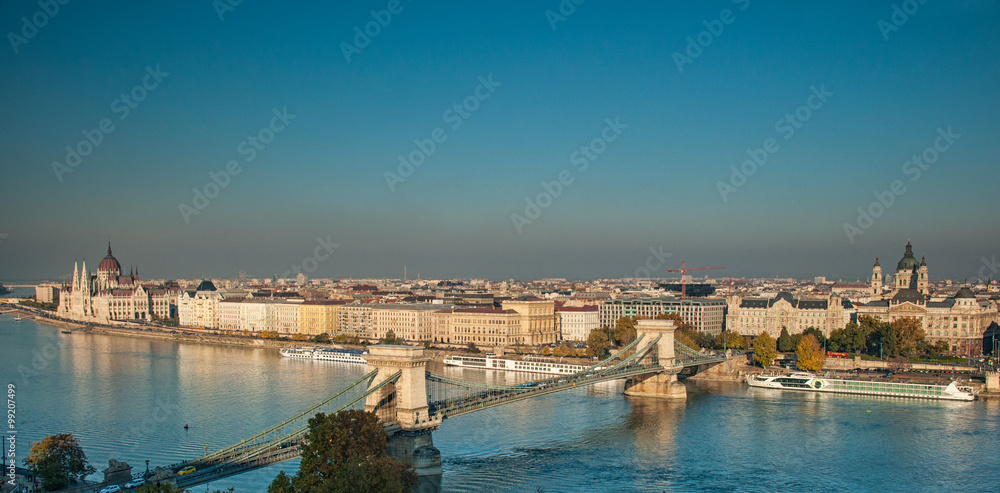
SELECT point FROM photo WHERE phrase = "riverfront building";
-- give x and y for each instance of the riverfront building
(574, 323)
(199, 307)
(960, 319)
(108, 295)
(707, 315)
(319, 316)
(751, 316)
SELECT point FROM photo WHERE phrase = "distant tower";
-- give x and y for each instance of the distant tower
(922, 281)
(877, 279)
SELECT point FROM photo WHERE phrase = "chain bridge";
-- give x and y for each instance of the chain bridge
(396, 390)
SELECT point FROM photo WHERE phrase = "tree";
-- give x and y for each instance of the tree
(785, 341)
(818, 334)
(323, 338)
(940, 347)
(730, 339)
(346, 452)
(624, 332)
(299, 337)
(764, 349)
(598, 343)
(58, 460)
(390, 338)
(908, 334)
(472, 348)
(850, 339)
(810, 354)
(882, 341)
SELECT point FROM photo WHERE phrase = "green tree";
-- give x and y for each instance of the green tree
(838, 340)
(598, 343)
(323, 338)
(850, 339)
(764, 349)
(58, 460)
(940, 347)
(818, 334)
(785, 341)
(810, 354)
(882, 341)
(390, 338)
(346, 452)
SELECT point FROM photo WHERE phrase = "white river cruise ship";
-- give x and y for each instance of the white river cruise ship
(340, 355)
(491, 363)
(811, 383)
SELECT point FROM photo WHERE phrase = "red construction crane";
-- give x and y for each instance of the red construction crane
(684, 270)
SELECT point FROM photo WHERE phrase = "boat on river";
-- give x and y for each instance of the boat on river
(340, 355)
(525, 365)
(811, 383)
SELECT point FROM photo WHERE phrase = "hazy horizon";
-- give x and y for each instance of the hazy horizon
(577, 143)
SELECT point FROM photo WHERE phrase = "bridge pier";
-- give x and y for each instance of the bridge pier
(665, 384)
(417, 448)
(406, 402)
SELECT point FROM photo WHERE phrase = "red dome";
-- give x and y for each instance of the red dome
(109, 263)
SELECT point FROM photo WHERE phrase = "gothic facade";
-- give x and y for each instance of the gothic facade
(108, 295)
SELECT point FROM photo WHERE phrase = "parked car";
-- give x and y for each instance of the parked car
(135, 483)
(111, 489)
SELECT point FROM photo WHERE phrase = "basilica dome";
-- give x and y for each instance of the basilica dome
(908, 262)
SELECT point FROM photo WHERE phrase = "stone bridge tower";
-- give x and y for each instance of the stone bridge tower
(662, 384)
(406, 402)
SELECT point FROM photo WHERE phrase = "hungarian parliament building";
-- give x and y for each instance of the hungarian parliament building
(108, 295)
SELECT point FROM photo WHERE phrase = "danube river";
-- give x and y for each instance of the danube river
(129, 399)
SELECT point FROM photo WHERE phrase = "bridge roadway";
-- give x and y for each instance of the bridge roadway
(274, 445)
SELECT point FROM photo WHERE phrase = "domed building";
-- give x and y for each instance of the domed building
(108, 295)
(910, 276)
(959, 319)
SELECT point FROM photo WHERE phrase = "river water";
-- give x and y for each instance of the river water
(129, 399)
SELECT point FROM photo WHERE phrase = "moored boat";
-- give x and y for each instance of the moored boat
(502, 364)
(298, 352)
(811, 383)
(340, 355)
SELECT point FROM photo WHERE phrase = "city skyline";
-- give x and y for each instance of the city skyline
(635, 123)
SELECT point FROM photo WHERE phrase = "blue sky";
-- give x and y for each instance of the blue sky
(655, 185)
